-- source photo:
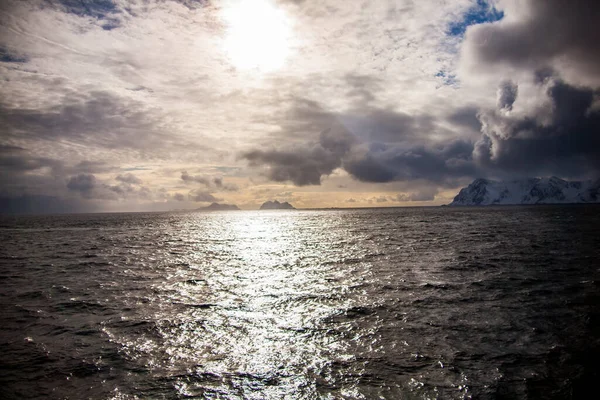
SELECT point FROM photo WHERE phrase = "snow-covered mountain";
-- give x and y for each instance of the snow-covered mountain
(528, 191)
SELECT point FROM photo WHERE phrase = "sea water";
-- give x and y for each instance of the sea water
(404, 303)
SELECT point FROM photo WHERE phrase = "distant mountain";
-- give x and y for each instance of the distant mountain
(275, 205)
(219, 207)
(483, 192)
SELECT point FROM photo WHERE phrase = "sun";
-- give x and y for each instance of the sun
(258, 35)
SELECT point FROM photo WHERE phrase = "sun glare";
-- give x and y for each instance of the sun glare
(257, 36)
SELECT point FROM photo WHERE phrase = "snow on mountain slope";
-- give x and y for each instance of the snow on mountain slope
(528, 191)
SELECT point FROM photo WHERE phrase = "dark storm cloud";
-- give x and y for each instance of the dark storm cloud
(99, 119)
(380, 163)
(552, 30)
(23, 175)
(82, 183)
(554, 44)
(373, 145)
(567, 142)
(369, 168)
(90, 187)
(30, 184)
(431, 163)
(304, 165)
(466, 117)
(16, 160)
(32, 204)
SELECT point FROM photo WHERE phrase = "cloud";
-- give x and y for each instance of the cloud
(99, 119)
(221, 185)
(540, 33)
(11, 56)
(379, 163)
(216, 182)
(202, 197)
(28, 181)
(92, 188)
(423, 194)
(304, 165)
(17, 160)
(371, 144)
(82, 183)
(563, 139)
(507, 94)
(431, 163)
(94, 167)
(121, 190)
(546, 120)
(197, 179)
(179, 197)
(466, 117)
(129, 178)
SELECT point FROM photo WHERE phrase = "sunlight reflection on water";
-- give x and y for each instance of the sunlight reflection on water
(251, 325)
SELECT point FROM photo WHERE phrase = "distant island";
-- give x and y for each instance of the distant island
(219, 207)
(275, 205)
(553, 190)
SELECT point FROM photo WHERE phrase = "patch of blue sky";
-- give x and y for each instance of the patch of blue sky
(93, 8)
(447, 78)
(480, 13)
(105, 11)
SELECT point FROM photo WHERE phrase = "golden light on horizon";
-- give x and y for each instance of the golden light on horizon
(258, 35)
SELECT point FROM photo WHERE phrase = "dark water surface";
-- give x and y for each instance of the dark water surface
(417, 303)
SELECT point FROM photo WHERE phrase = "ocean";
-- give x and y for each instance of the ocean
(402, 303)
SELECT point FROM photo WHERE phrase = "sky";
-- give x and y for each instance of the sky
(151, 105)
